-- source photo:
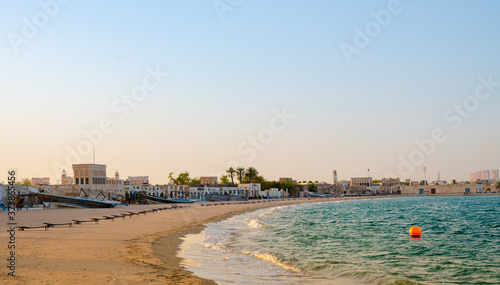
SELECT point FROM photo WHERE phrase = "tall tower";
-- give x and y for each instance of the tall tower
(117, 175)
(335, 180)
(65, 179)
(425, 175)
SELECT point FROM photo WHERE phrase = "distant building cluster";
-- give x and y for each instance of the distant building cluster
(91, 180)
(484, 175)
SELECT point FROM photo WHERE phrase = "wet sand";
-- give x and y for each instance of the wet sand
(137, 250)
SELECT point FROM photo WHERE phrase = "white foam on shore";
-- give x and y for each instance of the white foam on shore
(209, 254)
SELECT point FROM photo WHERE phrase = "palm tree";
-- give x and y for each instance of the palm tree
(252, 172)
(231, 172)
(241, 172)
(498, 185)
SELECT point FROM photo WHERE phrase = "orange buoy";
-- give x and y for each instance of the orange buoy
(415, 231)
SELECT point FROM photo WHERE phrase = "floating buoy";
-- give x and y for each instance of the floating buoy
(415, 232)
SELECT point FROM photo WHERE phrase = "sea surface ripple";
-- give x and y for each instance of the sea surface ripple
(354, 242)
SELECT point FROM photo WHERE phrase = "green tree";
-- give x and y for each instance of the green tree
(296, 189)
(231, 171)
(377, 181)
(195, 181)
(251, 173)
(488, 189)
(183, 178)
(287, 185)
(241, 173)
(423, 182)
(224, 180)
(270, 184)
(498, 185)
(259, 179)
(172, 179)
(24, 182)
(312, 187)
(454, 182)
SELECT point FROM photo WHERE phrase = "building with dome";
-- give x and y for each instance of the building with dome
(115, 180)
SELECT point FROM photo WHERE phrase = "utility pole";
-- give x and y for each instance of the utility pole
(425, 175)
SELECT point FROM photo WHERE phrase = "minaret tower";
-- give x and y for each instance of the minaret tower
(335, 180)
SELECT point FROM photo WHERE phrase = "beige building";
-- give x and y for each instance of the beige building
(361, 181)
(138, 180)
(447, 189)
(37, 182)
(90, 181)
(325, 188)
(115, 180)
(390, 186)
(89, 174)
(485, 175)
(345, 182)
(209, 180)
(389, 182)
(472, 177)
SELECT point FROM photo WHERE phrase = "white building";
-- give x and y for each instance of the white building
(485, 175)
(494, 175)
(274, 193)
(253, 189)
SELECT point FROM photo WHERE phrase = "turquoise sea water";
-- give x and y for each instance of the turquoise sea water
(354, 242)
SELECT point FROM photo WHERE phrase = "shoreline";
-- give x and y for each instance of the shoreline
(168, 246)
(134, 250)
(137, 250)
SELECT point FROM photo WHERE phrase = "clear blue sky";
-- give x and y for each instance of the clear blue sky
(226, 76)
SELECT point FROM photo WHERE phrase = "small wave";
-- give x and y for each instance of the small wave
(273, 259)
(254, 223)
(213, 246)
(270, 211)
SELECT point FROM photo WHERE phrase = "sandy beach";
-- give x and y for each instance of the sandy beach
(134, 250)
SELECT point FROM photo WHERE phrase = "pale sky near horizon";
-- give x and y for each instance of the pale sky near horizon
(229, 74)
